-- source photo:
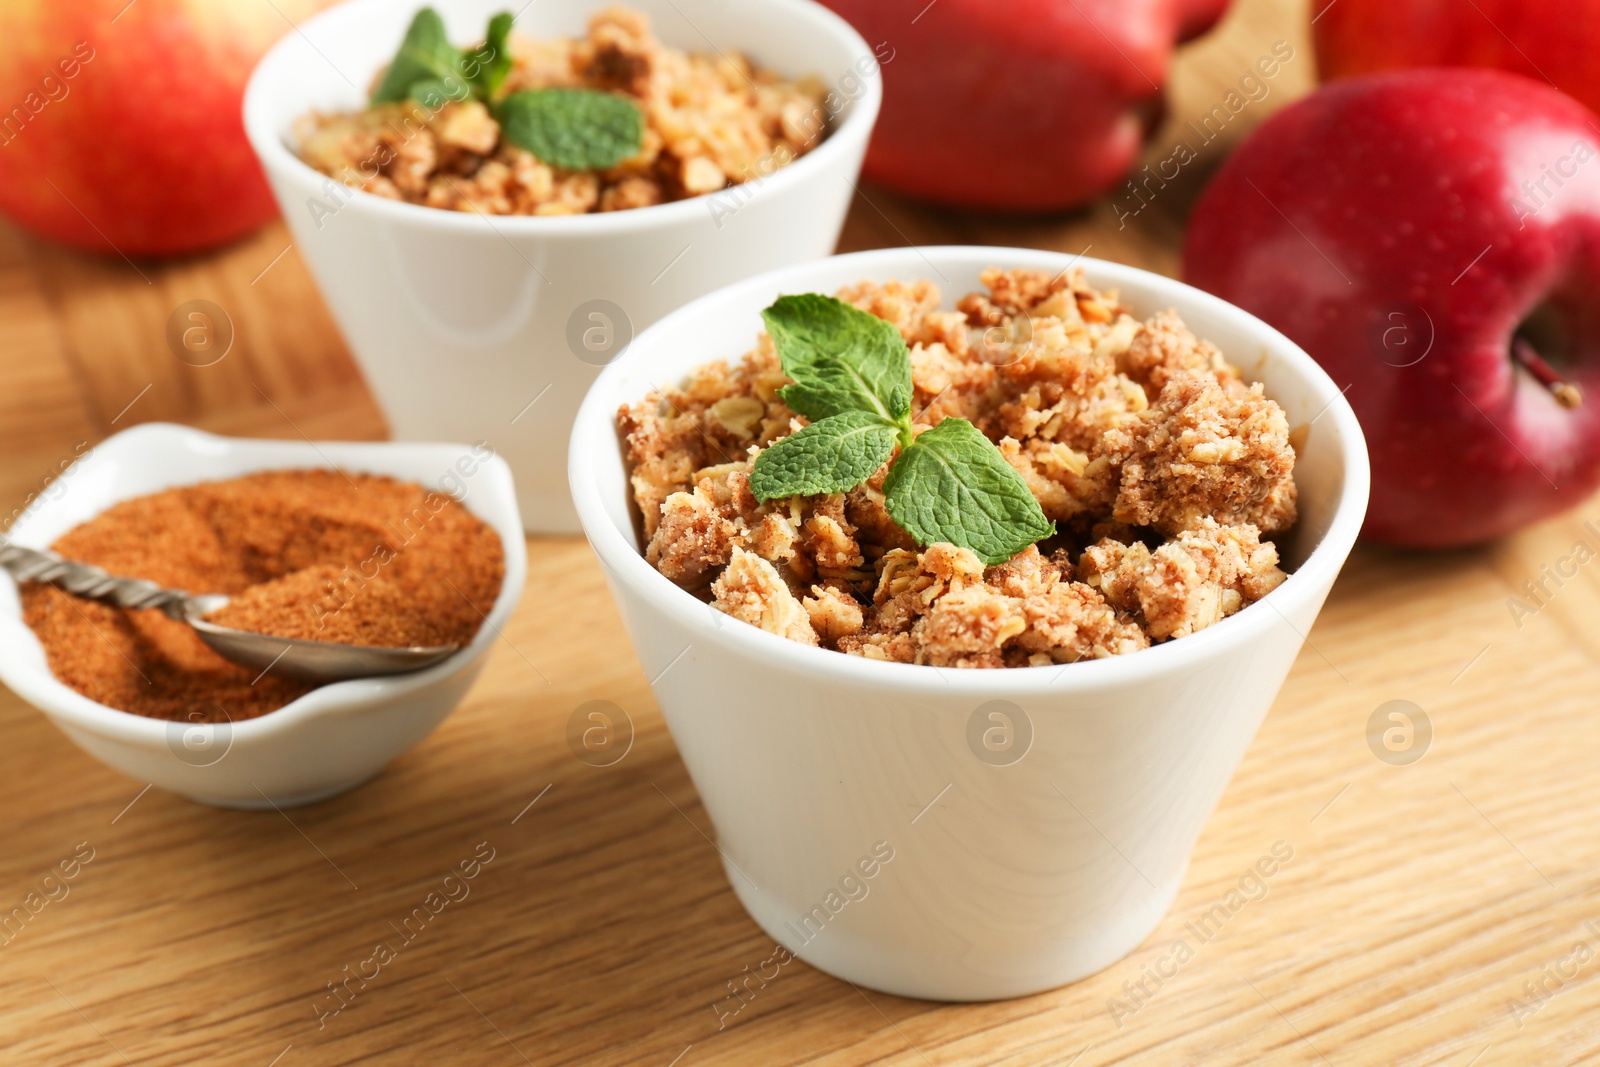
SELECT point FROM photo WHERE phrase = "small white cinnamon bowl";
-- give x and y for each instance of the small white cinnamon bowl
(963, 834)
(334, 737)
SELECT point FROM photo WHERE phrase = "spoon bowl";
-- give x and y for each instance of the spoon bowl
(317, 662)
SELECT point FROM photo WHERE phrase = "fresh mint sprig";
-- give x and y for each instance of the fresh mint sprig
(575, 129)
(840, 357)
(852, 378)
(832, 455)
(426, 55)
(488, 65)
(953, 485)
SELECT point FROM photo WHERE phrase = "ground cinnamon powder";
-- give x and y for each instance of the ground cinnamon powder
(316, 554)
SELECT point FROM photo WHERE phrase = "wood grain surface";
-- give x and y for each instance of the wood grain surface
(1437, 912)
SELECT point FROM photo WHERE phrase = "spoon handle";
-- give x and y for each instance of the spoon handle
(89, 582)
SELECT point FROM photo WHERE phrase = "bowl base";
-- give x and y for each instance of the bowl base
(907, 972)
(299, 800)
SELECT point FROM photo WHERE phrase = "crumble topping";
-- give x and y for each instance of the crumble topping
(1167, 475)
(711, 121)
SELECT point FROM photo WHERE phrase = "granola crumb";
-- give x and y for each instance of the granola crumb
(834, 615)
(751, 589)
(1199, 578)
(1165, 471)
(711, 121)
(1205, 451)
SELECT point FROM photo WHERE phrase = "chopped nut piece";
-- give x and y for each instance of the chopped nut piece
(467, 125)
(700, 176)
(752, 591)
(631, 193)
(740, 415)
(1164, 346)
(833, 614)
(623, 54)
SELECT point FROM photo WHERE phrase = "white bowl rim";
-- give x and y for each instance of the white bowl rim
(59, 701)
(627, 565)
(274, 153)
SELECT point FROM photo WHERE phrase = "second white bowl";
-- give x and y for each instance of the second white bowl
(469, 327)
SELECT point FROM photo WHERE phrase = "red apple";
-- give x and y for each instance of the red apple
(1018, 105)
(120, 126)
(1552, 40)
(1432, 238)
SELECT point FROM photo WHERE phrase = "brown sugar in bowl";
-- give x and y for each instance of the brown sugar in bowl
(319, 743)
(316, 555)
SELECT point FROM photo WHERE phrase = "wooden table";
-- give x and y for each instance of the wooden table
(1422, 904)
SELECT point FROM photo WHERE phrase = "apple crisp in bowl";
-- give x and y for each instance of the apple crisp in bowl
(1061, 480)
(611, 120)
(1069, 473)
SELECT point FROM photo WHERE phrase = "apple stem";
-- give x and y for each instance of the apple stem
(1567, 394)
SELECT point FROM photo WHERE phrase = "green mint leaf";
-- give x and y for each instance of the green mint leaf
(840, 357)
(487, 65)
(952, 484)
(852, 374)
(426, 53)
(434, 93)
(831, 456)
(575, 129)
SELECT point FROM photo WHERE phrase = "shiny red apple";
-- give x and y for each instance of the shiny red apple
(120, 126)
(1018, 105)
(1554, 40)
(1432, 238)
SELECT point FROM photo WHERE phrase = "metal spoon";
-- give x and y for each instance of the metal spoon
(318, 662)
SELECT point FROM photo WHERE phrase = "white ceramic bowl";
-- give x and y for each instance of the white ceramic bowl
(329, 740)
(471, 328)
(1021, 861)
